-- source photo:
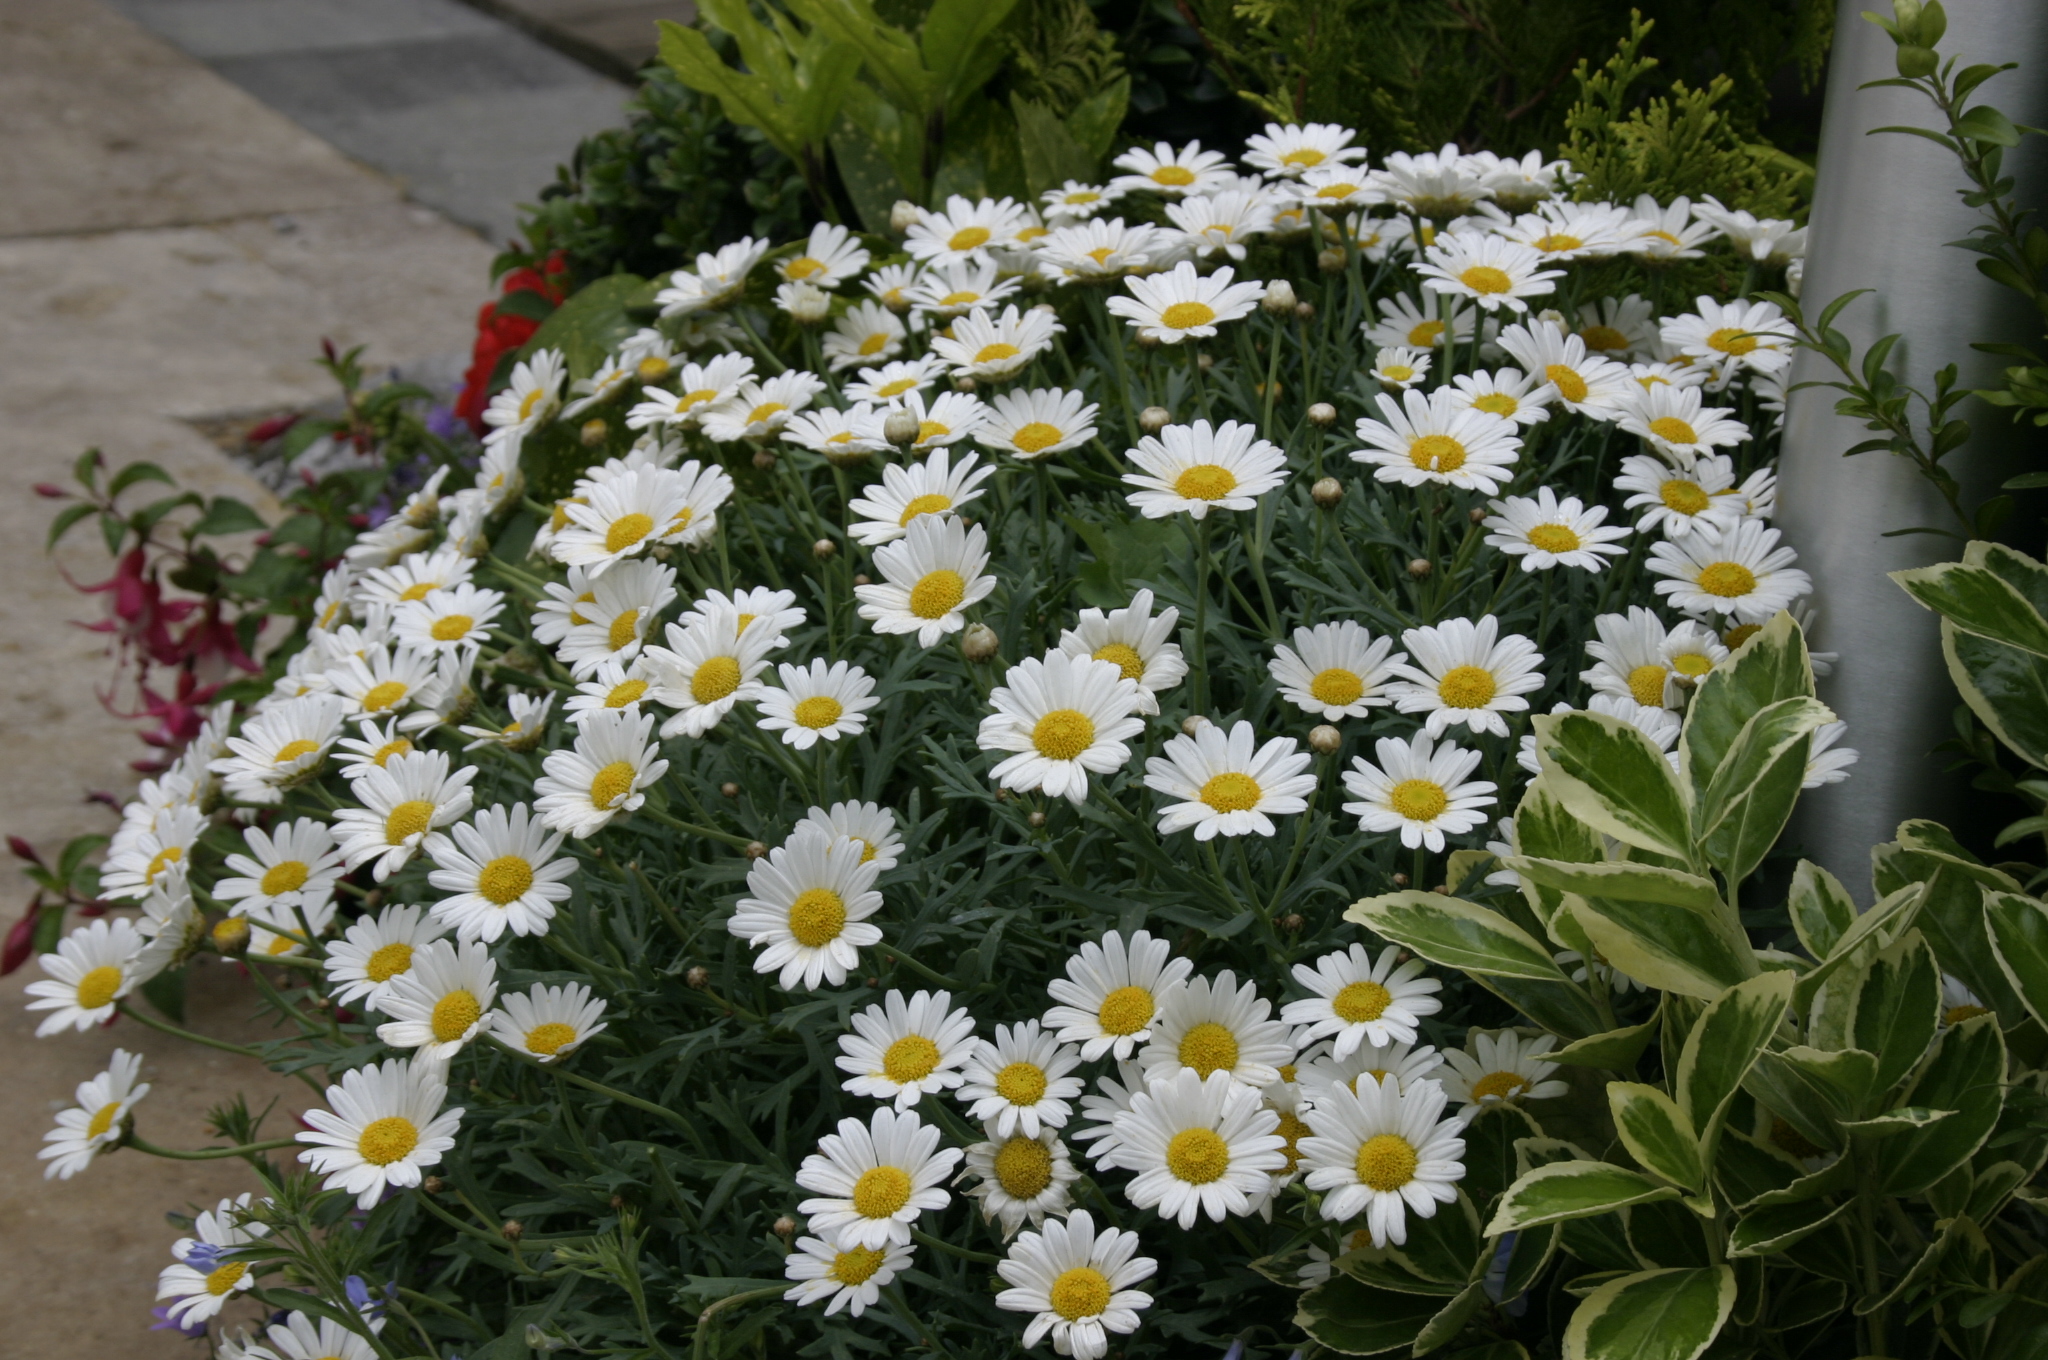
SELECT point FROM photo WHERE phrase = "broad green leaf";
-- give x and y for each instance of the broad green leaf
(1545, 829)
(134, 473)
(1456, 934)
(1563, 1190)
(1745, 1168)
(1771, 666)
(1663, 945)
(1805, 1300)
(1979, 602)
(1722, 1047)
(1952, 914)
(1897, 1008)
(1491, 1163)
(1655, 1133)
(2018, 927)
(1765, 1232)
(1563, 1008)
(1964, 1073)
(1095, 120)
(1051, 155)
(1449, 1322)
(1375, 1267)
(1614, 779)
(592, 323)
(957, 46)
(1921, 1270)
(2005, 687)
(1836, 1176)
(1897, 911)
(67, 517)
(892, 56)
(1444, 1247)
(1820, 907)
(226, 515)
(745, 97)
(1616, 1050)
(1353, 1318)
(1654, 1315)
(1900, 1120)
(1754, 787)
(1843, 1080)
(861, 151)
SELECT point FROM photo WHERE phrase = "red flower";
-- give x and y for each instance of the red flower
(497, 335)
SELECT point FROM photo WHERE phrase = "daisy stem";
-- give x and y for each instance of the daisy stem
(1294, 856)
(760, 346)
(166, 1027)
(207, 1154)
(936, 979)
(690, 828)
(1274, 344)
(964, 1253)
(609, 1092)
(902, 1309)
(1201, 671)
(1418, 875)
(697, 1351)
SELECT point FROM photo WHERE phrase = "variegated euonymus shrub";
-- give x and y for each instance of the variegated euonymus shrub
(1827, 1149)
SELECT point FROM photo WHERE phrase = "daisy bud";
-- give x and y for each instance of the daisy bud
(763, 459)
(1322, 415)
(785, 1227)
(900, 428)
(512, 1230)
(231, 937)
(1205, 362)
(903, 215)
(1002, 795)
(1193, 723)
(1477, 515)
(1327, 492)
(1304, 311)
(1153, 419)
(1331, 262)
(1324, 739)
(963, 383)
(1443, 889)
(1147, 340)
(698, 978)
(661, 552)
(1421, 567)
(1279, 299)
(823, 549)
(1400, 880)
(618, 1201)
(979, 643)
(861, 578)
(433, 1185)
(729, 789)
(755, 850)
(1036, 819)
(1293, 922)
(593, 432)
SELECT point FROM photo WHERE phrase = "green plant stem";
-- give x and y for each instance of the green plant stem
(937, 979)
(166, 1027)
(703, 1334)
(1198, 653)
(599, 1087)
(942, 1245)
(207, 1154)
(693, 829)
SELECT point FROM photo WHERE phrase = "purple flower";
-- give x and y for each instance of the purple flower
(163, 1323)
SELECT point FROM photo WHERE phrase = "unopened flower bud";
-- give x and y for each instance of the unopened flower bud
(1400, 880)
(512, 1230)
(1327, 492)
(1193, 723)
(979, 642)
(698, 978)
(1421, 567)
(903, 215)
(785, 1227)
(729, 789)
(231, 937)
(1331, 262)
(823, 549)
(861, 578)
(1442, 889)
(1205, 361)
(963, 383)
(755, 850)
(764, 459)
(900, 428)
(593, 432)
(1036, 819)
(1292, 922)
(1153, 419)
(1304, 311)
(1324, 739)
(1477, 514)
(433, 1185)
(618, 1201)
(1279, 299)
(1002, 795)
(1322, 415)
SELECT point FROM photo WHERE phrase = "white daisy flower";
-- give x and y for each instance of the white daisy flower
(1505, 392)
(1037, 424)
(208, 1270)
(1752, 336)
(1113, 992)
(757, 410)
(698, 390)
(1546, 531)
(870, 825)
(1074, 200)
(1337, 670)
(1584, 383)
(955, 289)
(839, 435)
(1741, 575)
(1360, 1000)
(1660, 725)
(775, 611)
(1065, 717)
(892, 381)
(1766, 240)
(294, 862)
(1681, 373)
(720, 277)
(1699, 498)
(1501, 1066)
(903, 1048)
(1199, 1147)
(1019, 1177)
(1438, 438)
(1420, 789)
(1563, 232)
(282, 747)
(547, 1023)
(828, 259)
(613, 687)
(1383, 1152)
(1675, 424)
(934, 486)
(300, 1337)
(1827, 763)
(91, 971)
(1334, 188)
(1163, 170)
(528, 400)
(447, 619)
(981, 345)
(841, 1276)
(818, 703)
(1958, 1002)
(1077, 1284)
(503, 871)
(374, 950)
(560, 609)
(625, 516)
(872, 1180)
(1217, 1026)
(1135, 642)
(1196, 468)
(173, 925)
(386, 682)
(1398, 368)
(1619, 328)
(1668, 231)
(1221, 224)
(1290, 151)
(1019, 1083)
(1098, 250)
(372, 749)
(1466, 673)
(1111, 1097)
(928, 578)
(1438, 185)
(866, 333)
(409, 797)
(708, 667)
(413, 577)
(1182, 304)
(1221, 786)
(527, 726)
(285, 932)
(1758, 495)
(165, 850)
(1367, 1066)
(964, 230)
(98, 1121)
(1635, 656)
(1403, 325)
(612, 618)
(1491, 270)
(385, 1125)
(808, 908)
(946, 419)
(439, 1004)
(605, 774)
(645, 358)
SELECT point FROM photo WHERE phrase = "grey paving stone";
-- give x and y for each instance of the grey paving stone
(318, 86)
(216, 29)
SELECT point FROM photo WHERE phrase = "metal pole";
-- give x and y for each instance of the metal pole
(1883, 206)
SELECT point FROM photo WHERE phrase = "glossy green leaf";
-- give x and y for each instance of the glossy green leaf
(1755, 786)
(1893, 913)
(226, 515)
(1376, 1268)
(1951, 914)
(2002, 683)
(591, 324)
(1491, 1164)
(1897, 1007)
(1563, 1008)
(2018, 926)
(1844, 1081)
(1964, 1073)
(1445, 1246)
(1353, 1318)
(1615, 1050)
(746, 97)
(1668, 944)
(1614, 779)
(1770, 667)
(1656, 1133)
(1455, 934)
(135, 473)
(1979, 602)
(1451, 1320)
(1765, 1232)
(1565, 1190)
(1820, 907)
(957, 44)
(1545, 829)
(1899, 1120)
(1723, 1045)
(1095, 120)
(1653, 1315)
(1745, 1168)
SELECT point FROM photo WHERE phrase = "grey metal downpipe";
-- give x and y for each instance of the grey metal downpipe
(1883, 206)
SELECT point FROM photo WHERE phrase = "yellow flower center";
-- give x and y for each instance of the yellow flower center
(627, 530)
(1602, 339)
(387, 1140)
(1466, 687)
(612, 783)
(816, 917)
(418, 590)
(505, 880)
(1554, 241)
(651, 369)
(937, 594)
(408, 819)
(1359, 1002)
(1197, 1156)
(696, 398)
(103, 1119)
(1735, 637)
(1497, 404)
(280, 945)
(1437, 453)
(868, 849)
(1337, 687)
(1183, 316)
(1426, 334)
(894, 389)
(1554, 538)
(995, 353)
(1685, 497)
(1124, 657)
(386, 695)
(928, 430)
(163, 859)
(624, 629)
(1126, 1011)
(874, 344)
(1499, 1086)
(1208, 1047)
(931, 503)
(1173, 176)
(402, 746)
(1293, 1130)
(764, 411)
(1021, 1083)
(575, 615)
(802, 267)
(1342, 189)
(1306, 157)
(1567, 381)
(1023, 1168)
(549, 1039)
(1646, 684)
(292, 750)
(625, 692)
(1732, 340)
(453, 1015)
(911, 1058)
(1419, 800)
(1063, 734)
(1672, 430)
(1692, 664)
(451, 627)
(288, 876)
(819, 712)
(1397, 373)
(1727, 580)
(531, 400)
(388, 961)
(1955, 1015)
(225, 1277)
(881, 1192)
(857, 1265)
(1082, 1292)
(1205, 482)
(1386, 1162)
(968, 238)
(715, 678)
(1484, 278)
(1231, 791)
